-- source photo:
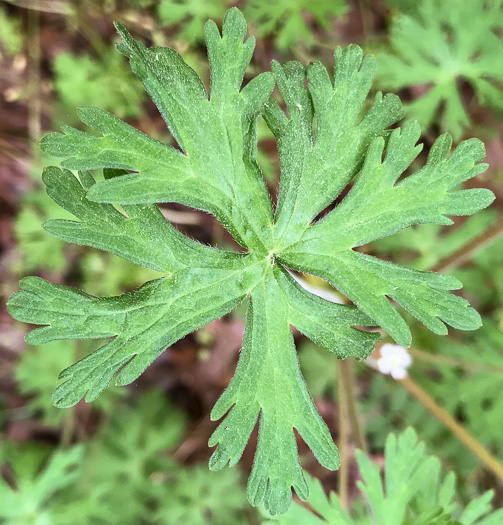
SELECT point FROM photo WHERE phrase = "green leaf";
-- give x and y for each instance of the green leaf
(329, 137)
(377, 206)
(412, 485)
(103, 226)
(145, 322)
(201, 127)
(210, 132)
(325, 323)
(268, 384)
(321, 164)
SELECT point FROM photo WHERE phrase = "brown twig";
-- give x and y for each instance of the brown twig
(461, 433)
(34, 56)
(347, 377)
(455, 362)
(47, 6)
(465, 252)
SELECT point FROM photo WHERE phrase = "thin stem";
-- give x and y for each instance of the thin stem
(366, 18)
(455, 362)
(80, 23)
(191, 441)
(34, 56)
(347, 377)
(465, 252)
(446, 419)
(48, 6)
(68, 428)
(343, 428)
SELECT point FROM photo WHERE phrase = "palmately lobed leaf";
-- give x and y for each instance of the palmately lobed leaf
(327, 138)
(440, 45)
(378, 206)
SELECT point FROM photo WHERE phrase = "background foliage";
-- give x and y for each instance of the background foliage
(139, 455)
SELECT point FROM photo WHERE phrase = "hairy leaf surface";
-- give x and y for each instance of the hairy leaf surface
(327, 137)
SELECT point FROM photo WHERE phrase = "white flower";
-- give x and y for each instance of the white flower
(394, 360)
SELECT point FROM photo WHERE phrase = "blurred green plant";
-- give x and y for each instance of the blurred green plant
(484, 278)
(36, 248)
(411, 490)
(285, 19)
(11, 36)
(405, 6)
(134, 478)
(424, 245)
(136, 3)
(101, 81)
(106, 274)
(197, 496)
(441, 44)
(319, 368)
(33, 494)
(190, 16)
(476, 362)
(35, 373)
(130, 449)
(125, 474)
(4, 415)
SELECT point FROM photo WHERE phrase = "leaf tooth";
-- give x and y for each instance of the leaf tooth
(257, 92)
(468, 202)
(440, 150)
(128, 46)
(322, 445)
(133, 368)
(40, 336)
(464, 317)
(256, 489)
(232, 434)
(234, 25)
